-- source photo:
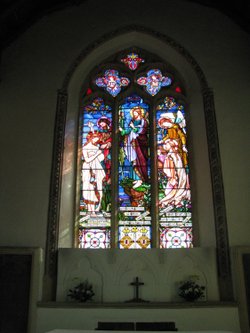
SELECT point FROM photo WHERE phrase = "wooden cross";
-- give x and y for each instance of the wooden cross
(137, 284)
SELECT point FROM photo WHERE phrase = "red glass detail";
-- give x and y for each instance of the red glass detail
(89, 91)
(132, 61)
(178, 89)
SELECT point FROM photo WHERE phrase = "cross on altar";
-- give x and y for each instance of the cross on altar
(137, 284)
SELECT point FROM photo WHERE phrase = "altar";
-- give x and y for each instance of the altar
(84, 318)
(115, 275)
(90, 331)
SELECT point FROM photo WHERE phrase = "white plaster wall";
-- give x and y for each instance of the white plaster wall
(111, 272)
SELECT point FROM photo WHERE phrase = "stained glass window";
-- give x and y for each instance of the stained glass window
(112, 82)
(134, 171)
(95, 202)
(154, 81)
(173, 175)
(132, 60)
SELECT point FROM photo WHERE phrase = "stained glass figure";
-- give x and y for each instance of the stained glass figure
(132, 221)
(134, 164)
(173, 169)
(112, 82)
(134, 237)
(132, 61)
(95, 199)
(154, 81)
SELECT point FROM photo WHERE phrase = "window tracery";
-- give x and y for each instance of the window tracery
(134, 150)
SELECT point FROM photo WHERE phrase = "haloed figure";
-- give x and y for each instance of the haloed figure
(172, 160)
(105, 129)
(136, 144)
(92, 173)
(177, 188)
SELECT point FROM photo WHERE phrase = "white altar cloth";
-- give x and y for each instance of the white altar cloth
(99, 331)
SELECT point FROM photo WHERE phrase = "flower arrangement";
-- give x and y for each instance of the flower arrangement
(83, 292)
(191, 291)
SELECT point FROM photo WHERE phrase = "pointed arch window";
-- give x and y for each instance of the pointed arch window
(134, 172)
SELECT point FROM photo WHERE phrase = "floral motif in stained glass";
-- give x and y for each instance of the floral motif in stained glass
(95, 238)
(171, 238)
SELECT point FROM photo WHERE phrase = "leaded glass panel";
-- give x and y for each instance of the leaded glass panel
(94, 238)
(134, 163)
(112, 82)
(154, 81)
(117, 108)
(95, 198)
(173, 169)
(132, 60)
(173, 238)
(134, 237)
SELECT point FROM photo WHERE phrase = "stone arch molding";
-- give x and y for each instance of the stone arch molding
(74, 272)
(200, 96)
(142, 264)
(190, 266)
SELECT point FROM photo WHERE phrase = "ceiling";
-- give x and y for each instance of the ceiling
(18, 15)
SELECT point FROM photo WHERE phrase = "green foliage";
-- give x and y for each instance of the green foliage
(83, 292)
(129, 183)
(191, 291)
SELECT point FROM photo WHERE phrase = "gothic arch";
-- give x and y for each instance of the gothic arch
(200, 96)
